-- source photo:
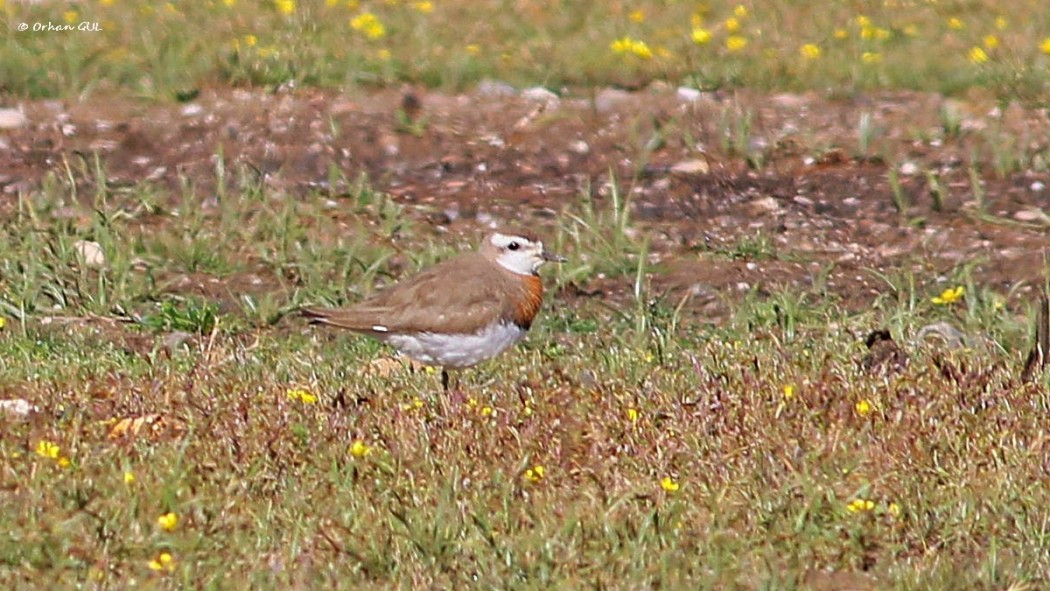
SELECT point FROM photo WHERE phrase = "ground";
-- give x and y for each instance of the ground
(793, 186)
(696, 406)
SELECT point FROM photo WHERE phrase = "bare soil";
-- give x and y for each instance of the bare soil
(801, 191)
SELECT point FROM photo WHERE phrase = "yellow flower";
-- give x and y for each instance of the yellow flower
(424, 6)
(473, 48)
(535, 473)
(46, 449)
(696, 19)
(168, 521)
(977, 56)
(486, 411)
(1000, 23)
(284, 7)
(63, 462)
(383, 54)
(911, 30)
(862, 21)
(416, 404)
(632, 414)
(162, 563)
(810, 51)
(732, 24)
(369, 24)
(860, 505)
(840, 33)
(740, 11)
(736, 43)
(669, 484)
(956, 24)
(950, 296)
(229, 3)
(863, 408)
(894, 509)
(871, 57)
(102, 2)
(990, 41)
(359, 450)
(637, 15)
(129, 478)
(701, 36)
(299, 394)
(789, 392)
(1045, 46)
(250, 40)
(882, 34)
(3, 322)
(627, 45)
(70, 16)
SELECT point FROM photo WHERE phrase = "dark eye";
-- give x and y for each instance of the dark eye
(513, 246)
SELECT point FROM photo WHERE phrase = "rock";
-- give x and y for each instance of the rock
(495, 88)
(610, 98)
(909, 169)
(1037, 186)
(688, 95)
(539, 94)
(192, 110)
(90, 253)
(764, 205)
(17, 408)
(12, 119)
(1032, 215)
(695, 166)
(579, 147)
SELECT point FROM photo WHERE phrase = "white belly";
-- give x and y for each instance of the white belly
(456, 350)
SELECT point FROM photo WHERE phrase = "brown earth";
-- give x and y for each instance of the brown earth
(792, 202)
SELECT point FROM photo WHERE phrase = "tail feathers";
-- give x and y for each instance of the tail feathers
(341, 318)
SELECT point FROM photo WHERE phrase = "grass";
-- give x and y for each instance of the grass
(842, 46)
(787, 458)
(192, 431)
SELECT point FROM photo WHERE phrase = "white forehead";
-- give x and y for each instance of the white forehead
(504, 240)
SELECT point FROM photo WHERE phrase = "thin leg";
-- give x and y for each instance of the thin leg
(444, 379)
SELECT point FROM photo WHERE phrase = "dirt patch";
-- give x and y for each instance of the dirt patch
(733, 190)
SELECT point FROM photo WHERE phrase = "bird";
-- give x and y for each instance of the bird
(460, 312)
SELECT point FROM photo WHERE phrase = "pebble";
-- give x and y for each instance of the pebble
(17, 407)
(495, 88)
(90, 253)
(12, 119)
(539, 94)
(688, 95)
(695, 166)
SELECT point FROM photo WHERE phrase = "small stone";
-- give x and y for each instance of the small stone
(764, 205)
(909, 168)
(579, 147)
(1037, 186)
(495, 88)
(539, 94)
(90, 253)
(695, 166)
(688, 95)
(609, 98)
(12, 119)
(1032, 215)
(192, 110)
(17, 408)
